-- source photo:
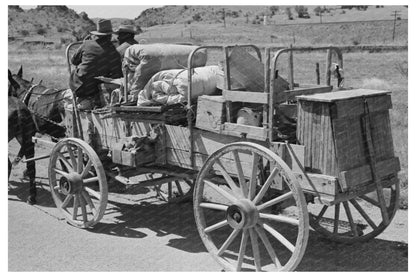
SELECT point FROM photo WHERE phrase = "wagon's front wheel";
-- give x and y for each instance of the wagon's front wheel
(250, 210)
(77, 182)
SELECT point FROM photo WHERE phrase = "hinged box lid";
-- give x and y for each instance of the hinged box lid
(342, 95)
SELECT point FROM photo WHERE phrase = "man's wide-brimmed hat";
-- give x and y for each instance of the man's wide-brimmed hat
(125, 29)
(104, 28)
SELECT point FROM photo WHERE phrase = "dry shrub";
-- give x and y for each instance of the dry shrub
(375, 83)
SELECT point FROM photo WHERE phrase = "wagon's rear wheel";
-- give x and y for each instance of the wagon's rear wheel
(249, 209)
(358, 219)
(77, 182)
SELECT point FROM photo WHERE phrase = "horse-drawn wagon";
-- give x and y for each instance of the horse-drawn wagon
(317, 157)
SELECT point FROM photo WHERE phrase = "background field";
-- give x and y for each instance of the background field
(387, 70)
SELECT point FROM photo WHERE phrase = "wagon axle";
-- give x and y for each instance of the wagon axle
(71, 184)
(244, 214)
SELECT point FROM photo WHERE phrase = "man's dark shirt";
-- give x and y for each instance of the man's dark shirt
(126, 44)
(94, 58)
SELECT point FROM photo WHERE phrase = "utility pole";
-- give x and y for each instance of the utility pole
(395, 14)
(320, 17)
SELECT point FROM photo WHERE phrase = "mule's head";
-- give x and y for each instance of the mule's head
(24, 85)
(14, 87)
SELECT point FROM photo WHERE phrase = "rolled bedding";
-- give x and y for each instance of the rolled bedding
(170, 87)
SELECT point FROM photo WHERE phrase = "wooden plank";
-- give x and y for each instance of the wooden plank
(291, 95)
(317, 183)
(357, 176)
(153, 109)
(246, 96)
(206, 142)
(244, 131)
(343, 95)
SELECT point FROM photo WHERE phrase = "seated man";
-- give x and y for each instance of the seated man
(125, 38)
(96, 57)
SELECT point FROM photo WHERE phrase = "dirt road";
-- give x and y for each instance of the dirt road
(141, 233)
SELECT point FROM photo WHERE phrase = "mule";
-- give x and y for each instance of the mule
(46, 105)
(22, 127)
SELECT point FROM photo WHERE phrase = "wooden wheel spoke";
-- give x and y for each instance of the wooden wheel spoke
(216, 226)
(80, 160)
(383, 206)
(72, 156)
(170, 194)
(350, 218)
(89, 202)
(242, 250)
(276, 200)
(336, 218)
(370, 200)
(93, 192)
(91, 180)
(66, 201)
(266, 186)
(221, 191)
(255, 248)
(228, 178)
(228, 241)
(61, 172)
(87, 168)
(178, 186)
(268, 246)
(62, 158)
(76, 205)
(213, 206)
(241, 178)
(280, 218)
(279, 237)
(363, 213)
(253, 177)
(83, 208)
(322, 212)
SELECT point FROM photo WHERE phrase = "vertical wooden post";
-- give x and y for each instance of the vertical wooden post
(291, 76)
(328, 66)
(267, 80)
(227, 83)
(318, 79)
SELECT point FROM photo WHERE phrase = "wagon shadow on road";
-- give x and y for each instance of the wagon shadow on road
(161, 218)
(134, 219)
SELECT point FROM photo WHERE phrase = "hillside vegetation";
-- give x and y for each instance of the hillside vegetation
(263, 25)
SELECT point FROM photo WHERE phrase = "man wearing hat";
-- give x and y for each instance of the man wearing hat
(125, 38)
(96, 57)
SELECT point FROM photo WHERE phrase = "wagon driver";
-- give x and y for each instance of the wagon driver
(125, 37)
(96, 57)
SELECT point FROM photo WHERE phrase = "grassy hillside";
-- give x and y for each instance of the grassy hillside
(48, 21)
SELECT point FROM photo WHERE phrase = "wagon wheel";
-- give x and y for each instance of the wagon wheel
(246, 223)
(177, 191)
(358, 219)
(77, 182)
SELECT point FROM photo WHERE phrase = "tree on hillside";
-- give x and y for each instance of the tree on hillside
(302, 11)
(289, 13)
(274, 9)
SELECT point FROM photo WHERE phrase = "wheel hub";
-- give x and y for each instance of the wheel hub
(243, 214)
(72, 184)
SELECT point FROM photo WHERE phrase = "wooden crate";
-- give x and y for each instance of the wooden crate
(333, 130)
(210, 113)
